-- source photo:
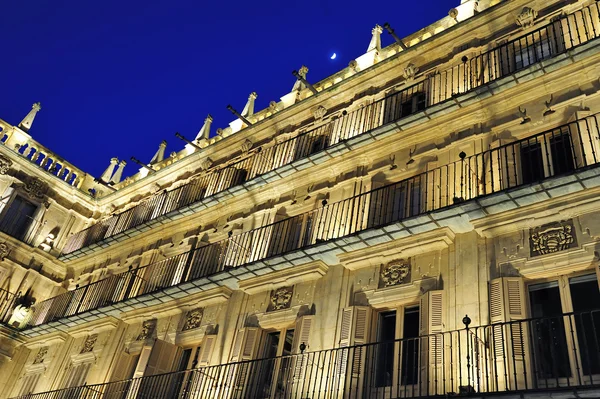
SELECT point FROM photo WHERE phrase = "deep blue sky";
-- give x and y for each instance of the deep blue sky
(117, 77)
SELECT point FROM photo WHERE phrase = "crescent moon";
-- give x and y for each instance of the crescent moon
(333, 56)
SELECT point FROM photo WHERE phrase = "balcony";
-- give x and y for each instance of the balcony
(336, 137)
(555, 354)
(561, 155)
(8, 303)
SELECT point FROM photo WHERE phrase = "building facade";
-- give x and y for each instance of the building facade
(424, 222)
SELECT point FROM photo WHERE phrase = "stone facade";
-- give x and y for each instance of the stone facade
(396, 201)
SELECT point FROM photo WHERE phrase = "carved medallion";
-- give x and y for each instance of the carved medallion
(4, 250)
(320, 112)
(5, 165)
(552, 237)
(193, 319)
(410, 71)
(89, 343)
(394, 273)
(35, 188)
(526, 17)
(147, 330)
(281, 298)
(39, 358)
(246, 146)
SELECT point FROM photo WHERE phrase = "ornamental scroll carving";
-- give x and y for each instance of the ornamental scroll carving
(39, 358)
(89, 343)
(4, 250)
(35, 188)
(394, 273)
(526, 17)
(552, 237)
(5, 165)
(147, 330)
(193, 319)
(281, 298)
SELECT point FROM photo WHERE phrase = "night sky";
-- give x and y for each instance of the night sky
(117, 77)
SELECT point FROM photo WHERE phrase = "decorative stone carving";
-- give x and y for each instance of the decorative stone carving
(410, 71)
(281, 298)
(5, 165)
(206, 163)
(526, 17)
(273, 107)
(552, 237)
(320, 112)
(4, 250)
(39, 358)
(89, 343)
(147, 330)
(246, 146)
(394, 273)
(35, 188)
(353, 65)
(193, 319)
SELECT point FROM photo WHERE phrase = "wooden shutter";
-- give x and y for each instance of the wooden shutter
(140, 368)
(301, 335)
(124, 367)
(161, 358)
(29, 383)
(244, 349)
(206, 350)
(354, 331)
(431, 325)
(507, 304)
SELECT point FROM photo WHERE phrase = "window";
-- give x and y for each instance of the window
(273, 373)
(545, 156)
(531, 49)
(565, 348)
(388, 363)
(18, 217)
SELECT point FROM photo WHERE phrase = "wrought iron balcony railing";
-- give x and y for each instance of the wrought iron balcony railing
(556, 152)
(532, 48)
(538, 354)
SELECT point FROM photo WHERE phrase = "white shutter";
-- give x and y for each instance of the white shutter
(29, 383)
(431, 324)
(206, 350)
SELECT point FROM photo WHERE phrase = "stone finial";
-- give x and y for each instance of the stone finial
(205, 130)
(453, 13)
(375, 43)
(160, 153)
(299, 85)
(249, 108)
(410, 71)
(353, 65)
(273, 107)
(109, 170)
(28, 120)
(116, 178)
(526, 17)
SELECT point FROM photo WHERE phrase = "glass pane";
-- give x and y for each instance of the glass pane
(585, 297)
(265, 373)
(286, 362)
(384, 364)
(562, 156)
(18, 218)
(549, 339)
(532, 165)
(410, 347)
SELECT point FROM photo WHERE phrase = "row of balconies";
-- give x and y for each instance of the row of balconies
(557, 152)
(268, 163)
(560, 352)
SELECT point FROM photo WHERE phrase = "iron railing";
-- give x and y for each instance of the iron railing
(559, 151)
(545, 42)
(538, 354)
